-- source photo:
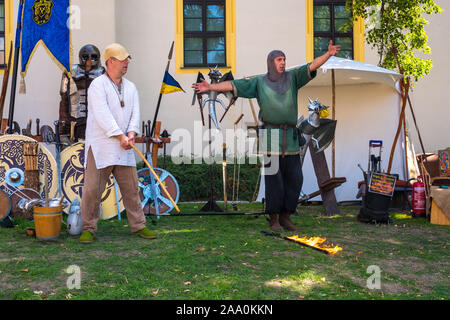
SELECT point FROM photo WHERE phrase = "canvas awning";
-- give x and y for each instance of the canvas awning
(350, 72)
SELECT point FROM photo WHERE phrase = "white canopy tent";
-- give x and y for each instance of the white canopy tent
(352, 72)
(368, 108)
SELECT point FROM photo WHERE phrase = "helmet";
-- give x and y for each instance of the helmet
(90, 52)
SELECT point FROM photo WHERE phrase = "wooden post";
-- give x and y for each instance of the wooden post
(321, 169)
(405, 95)
(405, 134)
(333, 112)
(4, 88)
(155, 145)
(404, 90)
(255, 118)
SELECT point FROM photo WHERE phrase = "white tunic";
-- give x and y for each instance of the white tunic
(106, 119)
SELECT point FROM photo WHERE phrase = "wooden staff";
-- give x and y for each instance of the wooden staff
(238, 119)
(333, 111)
(255, 118)
(224, 174)
(404, 85)
(160, 94)
(12, 98)
(156, 176)
(4, 88)
(405, 135)
(46, 183)
(61, 200)
(155, 145)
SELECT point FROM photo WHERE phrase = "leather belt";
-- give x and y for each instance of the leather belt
(284, 127)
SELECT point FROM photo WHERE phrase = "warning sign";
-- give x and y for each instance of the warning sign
(382, 183)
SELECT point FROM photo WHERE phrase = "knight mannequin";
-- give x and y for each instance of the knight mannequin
(83, 74)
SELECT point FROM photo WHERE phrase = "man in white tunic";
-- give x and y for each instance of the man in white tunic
(112, 124)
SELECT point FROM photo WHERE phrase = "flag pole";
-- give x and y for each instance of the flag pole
(160, 94)
(15, 67)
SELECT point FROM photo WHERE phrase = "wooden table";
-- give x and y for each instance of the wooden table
(440, 206)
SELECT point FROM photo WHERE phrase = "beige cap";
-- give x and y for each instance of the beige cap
(117, 51)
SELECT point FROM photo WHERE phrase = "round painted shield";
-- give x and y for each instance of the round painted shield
(11, 157)
(5, 205)
(72, 181)
(153, 199)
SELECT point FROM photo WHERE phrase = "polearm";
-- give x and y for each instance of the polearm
(160, 94)
(16, 65)
(163, 188)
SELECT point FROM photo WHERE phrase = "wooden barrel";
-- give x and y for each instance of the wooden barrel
(47, 222)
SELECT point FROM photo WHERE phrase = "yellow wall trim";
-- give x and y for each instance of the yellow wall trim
(309, 30)
(230, 16)
(9, 32)
(358, 40)
(358, 35)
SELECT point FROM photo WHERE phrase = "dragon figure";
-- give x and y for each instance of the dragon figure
(216, 76)
(316, 127)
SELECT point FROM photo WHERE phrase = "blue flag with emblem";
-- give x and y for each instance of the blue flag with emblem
(45, 22)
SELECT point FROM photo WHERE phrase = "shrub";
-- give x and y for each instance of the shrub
(193, 179)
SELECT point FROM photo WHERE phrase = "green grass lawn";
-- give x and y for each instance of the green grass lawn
(227, 257)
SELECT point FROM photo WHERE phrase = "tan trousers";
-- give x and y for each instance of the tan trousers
(94, 185)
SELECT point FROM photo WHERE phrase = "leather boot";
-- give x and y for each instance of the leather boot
(274, 224)
(285, 221)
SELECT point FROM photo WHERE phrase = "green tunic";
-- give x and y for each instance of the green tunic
(275, 108)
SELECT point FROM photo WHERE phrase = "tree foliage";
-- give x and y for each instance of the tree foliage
(398, 26)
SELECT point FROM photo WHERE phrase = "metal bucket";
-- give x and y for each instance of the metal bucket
(47, 222)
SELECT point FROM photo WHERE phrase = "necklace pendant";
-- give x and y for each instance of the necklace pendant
(122, 104)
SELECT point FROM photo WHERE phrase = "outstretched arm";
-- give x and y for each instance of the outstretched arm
(317, 62)
(204, 86)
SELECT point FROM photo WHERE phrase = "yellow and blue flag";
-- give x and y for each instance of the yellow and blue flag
(170, 85)
(45, 22)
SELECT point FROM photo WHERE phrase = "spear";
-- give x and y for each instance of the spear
(5, 86)
(15, 67)
(160, 94)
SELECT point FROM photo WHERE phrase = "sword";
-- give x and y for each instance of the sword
(224, 174)
(58, 156)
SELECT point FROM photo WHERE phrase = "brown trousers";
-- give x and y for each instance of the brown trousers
(94, 185)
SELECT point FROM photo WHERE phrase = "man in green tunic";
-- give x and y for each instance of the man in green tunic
(276, 93)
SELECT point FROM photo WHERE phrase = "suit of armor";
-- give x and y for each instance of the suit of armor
(73, 91)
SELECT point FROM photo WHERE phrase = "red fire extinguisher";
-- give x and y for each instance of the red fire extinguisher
(418, 196)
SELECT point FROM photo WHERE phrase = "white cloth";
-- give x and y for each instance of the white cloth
(107, 119)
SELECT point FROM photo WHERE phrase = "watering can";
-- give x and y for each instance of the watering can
(74, 222)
